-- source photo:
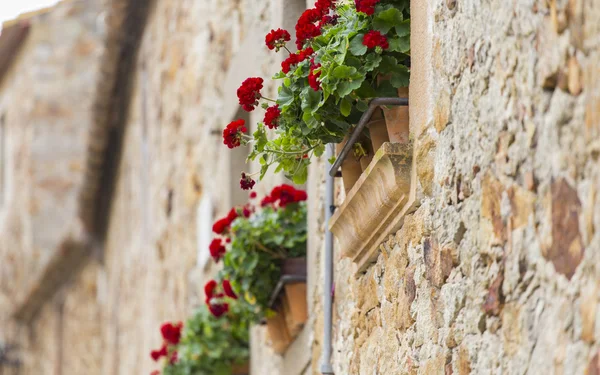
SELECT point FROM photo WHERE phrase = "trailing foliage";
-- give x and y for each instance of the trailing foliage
(347, 57)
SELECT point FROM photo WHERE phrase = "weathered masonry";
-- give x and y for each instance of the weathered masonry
(112, 168)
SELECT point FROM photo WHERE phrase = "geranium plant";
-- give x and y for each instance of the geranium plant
(210, 345)
(348, 53)
(252, 241)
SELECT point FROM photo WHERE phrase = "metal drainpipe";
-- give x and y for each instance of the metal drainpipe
(326, 367)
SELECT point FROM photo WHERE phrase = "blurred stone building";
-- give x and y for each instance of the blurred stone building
(112, 170)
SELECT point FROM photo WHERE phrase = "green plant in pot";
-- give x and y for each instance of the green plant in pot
(253, 241)
(210, 345)
(349, 52)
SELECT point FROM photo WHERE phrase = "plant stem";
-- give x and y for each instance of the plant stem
(268, 99)
(266, 250)
(290, 52)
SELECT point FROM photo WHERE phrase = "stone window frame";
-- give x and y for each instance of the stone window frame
(388, 189)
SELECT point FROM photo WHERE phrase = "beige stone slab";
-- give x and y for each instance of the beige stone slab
(372, 207)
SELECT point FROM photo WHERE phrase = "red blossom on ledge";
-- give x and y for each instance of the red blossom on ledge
(313, 76)
(157, 354)
(366, 6)
(229, 290)
(276, 39)
(171, 332)
(233, 133)
(249, 93)
(217, 249)
(209, 289)
(218, 309)
(247, 183)
(284, 195)
(374, 39)
(272, 116)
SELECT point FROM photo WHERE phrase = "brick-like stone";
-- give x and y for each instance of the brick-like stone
(566, 249)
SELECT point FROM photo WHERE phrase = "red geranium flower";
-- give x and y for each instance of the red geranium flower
(174, 358)
(155, 372)
(272, 116)
(253, 195)
(374, 39)
(284, 194)
(266, 201)
(247, 211)
(233, 132)
(229, 290)
(276, 39)
(221, 225)
(218, 309)
(209, 289)
(157, 354)
(323, 6)
(366, 6)
(217, 249)
(249, 93)
(232, 215)
(247, 182)
(313, 81)
(305, 27)
(171, 332)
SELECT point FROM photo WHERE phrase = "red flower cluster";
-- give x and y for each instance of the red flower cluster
(222, 225)
(229, 290)
(306, 28)
(374, 39)
(295, 58)
(157, 354)
(218, 308)
(233, 132)
(328, 20)
(366, 6)
(246, 183)
(276, 39)
(217, 249)
(313, 81)
(155, 372)
(272, 116)
(171, 332)
(249, 93)
(284, 195)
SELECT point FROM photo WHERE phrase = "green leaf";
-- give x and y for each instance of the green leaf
(343, 71)
(346, 87)
(310, 99)
(357, 48)
(287, 81)
(362, 105)
(372, 61)
(365, 91)
(345, 107)
(403, 29)
(388, 64)
(399, 44)
(286, 96)
(401, 77)
(385, 89)
(384, 21)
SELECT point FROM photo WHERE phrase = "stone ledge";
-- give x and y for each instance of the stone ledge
(376, 205)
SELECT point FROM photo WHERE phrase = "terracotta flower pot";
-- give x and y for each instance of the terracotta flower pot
(241, 369)
(351, 169)
(397, 120)
(295, 307)
(278, 333)
(378, 130)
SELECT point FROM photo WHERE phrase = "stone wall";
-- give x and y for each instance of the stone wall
(45, 107)
(496, 271)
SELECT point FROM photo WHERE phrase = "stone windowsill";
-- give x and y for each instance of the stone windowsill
(376, 205)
